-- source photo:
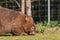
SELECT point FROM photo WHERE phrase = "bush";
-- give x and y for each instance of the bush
(40, 28)
(54, 24)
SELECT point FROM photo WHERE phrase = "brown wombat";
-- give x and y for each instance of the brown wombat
(15, 22)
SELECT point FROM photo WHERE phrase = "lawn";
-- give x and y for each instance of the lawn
(47, 35)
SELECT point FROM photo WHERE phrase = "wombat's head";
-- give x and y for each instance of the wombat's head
(29, 26)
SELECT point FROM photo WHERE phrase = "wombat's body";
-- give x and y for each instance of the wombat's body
(14, 22)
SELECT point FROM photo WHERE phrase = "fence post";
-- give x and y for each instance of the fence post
(48, 11)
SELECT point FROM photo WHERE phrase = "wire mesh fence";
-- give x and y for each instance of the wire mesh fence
(39, 9)
(10, 4)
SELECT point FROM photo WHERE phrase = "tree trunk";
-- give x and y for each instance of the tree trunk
(28, 7)
(23, 6)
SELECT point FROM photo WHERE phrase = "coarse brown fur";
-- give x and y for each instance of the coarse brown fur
(15, 22)
(30, 27)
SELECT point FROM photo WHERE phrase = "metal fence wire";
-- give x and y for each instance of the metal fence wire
(10, 4)
(39, 9)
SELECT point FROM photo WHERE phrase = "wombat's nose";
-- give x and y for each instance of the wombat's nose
(32, 33)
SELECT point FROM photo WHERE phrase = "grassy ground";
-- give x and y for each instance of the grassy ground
(49, 34)
(36, 37)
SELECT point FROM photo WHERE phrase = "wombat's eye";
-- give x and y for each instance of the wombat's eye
(32, 28)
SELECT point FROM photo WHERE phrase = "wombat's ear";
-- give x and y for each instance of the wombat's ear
(26, 18)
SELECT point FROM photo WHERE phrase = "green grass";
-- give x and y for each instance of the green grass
(38, 36)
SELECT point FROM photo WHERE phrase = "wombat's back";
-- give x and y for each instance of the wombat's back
(10, 19)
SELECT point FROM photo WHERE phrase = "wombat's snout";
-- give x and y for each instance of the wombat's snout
(32, 33)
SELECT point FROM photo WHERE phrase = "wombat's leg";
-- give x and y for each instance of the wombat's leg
(18, 31)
